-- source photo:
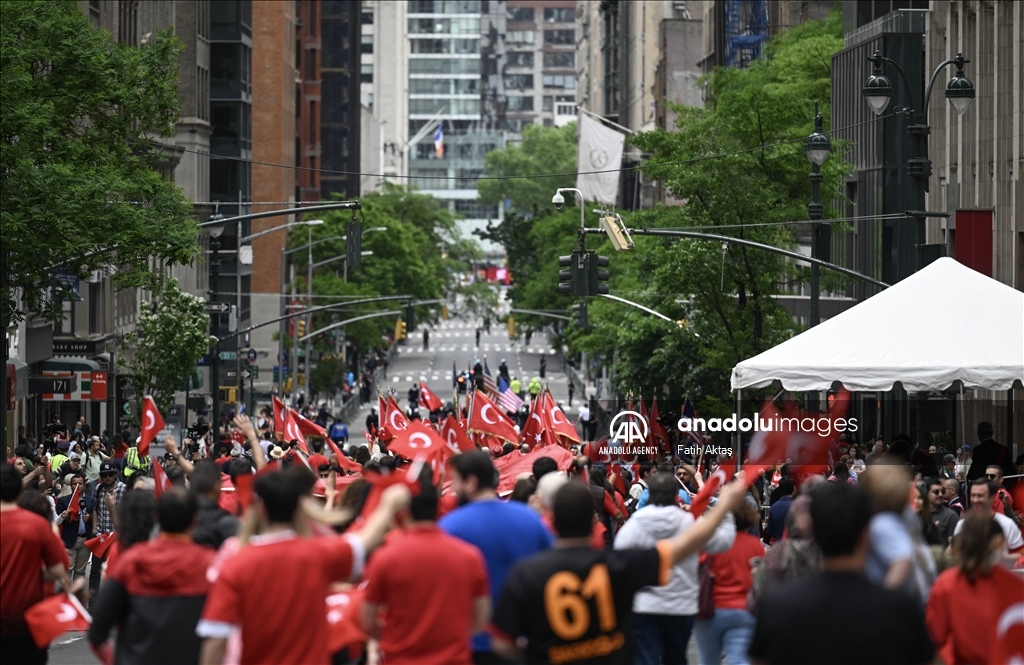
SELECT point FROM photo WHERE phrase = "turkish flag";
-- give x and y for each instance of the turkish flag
(309, 428)
(49, 619)
(486, 417)
(163, 483)
(279, 413)
(382, 410)
(1009, 643)
(396, 417)
(379, 483)
(805, 445)
(510, 466)
(343, 462)
(534, 428)
(559, 425)
(101, 543)
(658, 431)
(596, 456)
(721, 476)
(417, 441)
(152, 424)
(343, 628)
(292, 431)
(74, 510)
(429, 400)
(455, 437)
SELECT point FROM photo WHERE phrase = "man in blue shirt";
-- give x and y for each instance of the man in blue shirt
(504, 532)
(338, 433)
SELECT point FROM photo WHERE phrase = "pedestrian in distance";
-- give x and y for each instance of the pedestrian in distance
(426, 339)
(572, 390)
(543, 366)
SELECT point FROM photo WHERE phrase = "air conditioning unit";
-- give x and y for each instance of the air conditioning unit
(95, 277)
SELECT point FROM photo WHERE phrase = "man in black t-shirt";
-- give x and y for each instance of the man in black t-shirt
(574, 603)
(796, 623)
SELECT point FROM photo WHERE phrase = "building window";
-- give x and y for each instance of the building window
(312, 122)
(475, 209)
(203, 19)
(520, 103)
(559, 15)
(434, 46)
(520, 59)
(549, 103)
(560, 37)
(94, 12)
(366, 73)
(520, 14)
(127, 23)
(432, 66)
(367, 44)
(312, 19)
(202, 93)
(560, 59)
(454, 106)
(560, 81)
(610, 58)
(519, 81)
(367, 15)
(519, 36)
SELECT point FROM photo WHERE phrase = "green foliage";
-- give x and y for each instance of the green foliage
(416, 255)
(543, 150)
(723, 165)
(163, 350)
(79, 115)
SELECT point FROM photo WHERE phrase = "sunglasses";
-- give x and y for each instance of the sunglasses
(936, 492)
(990, 476)
(107, 475)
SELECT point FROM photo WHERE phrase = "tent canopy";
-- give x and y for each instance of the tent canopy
(944, 323)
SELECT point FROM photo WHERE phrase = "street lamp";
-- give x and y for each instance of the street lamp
(215, 234)
(817, 147)
(878, 91)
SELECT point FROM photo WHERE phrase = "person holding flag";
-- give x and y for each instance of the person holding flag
(74, 516)
(30, 554)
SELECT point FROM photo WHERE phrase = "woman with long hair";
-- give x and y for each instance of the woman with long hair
(968, 600)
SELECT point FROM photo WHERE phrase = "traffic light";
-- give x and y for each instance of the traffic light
(573, 280)
(229, 395)
(354, 244)
(399, 330)
(410, 322)
(580, 309)
(301, 325)
(597, 279)
(444, 312)
(511, 327)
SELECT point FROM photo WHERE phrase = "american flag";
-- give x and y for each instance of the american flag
(689, 414)
(507, 399)
(489, 386)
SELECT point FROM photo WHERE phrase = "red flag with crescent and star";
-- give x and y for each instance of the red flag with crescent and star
(534, 429)
(556, 418)
(396, 421)
(486, 417)
(152, 423)
(279, 409)
(292, 431)
(455, 437)
(418, 441)
(429, 400)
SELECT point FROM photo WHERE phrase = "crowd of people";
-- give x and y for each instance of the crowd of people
(246, 548)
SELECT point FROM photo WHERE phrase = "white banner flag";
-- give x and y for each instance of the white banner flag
(600, 149)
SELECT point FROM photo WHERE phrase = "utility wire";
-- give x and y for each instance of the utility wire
(635, 167)
(889, 215)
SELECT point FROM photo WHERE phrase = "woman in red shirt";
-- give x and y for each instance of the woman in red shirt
(968, 603)
(732, 627)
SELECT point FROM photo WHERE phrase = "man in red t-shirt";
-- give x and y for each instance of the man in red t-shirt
(317, 458)
(433, 588)
(30, 553)
(274, 588)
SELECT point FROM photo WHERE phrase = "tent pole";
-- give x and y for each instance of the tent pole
(738, 441)
(963, 431)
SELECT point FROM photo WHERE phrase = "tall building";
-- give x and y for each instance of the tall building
(87, 343)
(287, 111)
(340, 51)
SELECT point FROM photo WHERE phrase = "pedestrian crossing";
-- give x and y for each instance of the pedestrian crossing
(468, 347)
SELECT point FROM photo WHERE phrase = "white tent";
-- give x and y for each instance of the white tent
(944, 323)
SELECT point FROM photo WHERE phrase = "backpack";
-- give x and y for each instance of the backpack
(633, 502)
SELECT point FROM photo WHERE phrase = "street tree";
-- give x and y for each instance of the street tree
(544, 150)
(81, 190)
(170, 336)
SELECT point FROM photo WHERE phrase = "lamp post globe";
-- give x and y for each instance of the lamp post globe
(877, 91)
(817, 147)
(960, 92)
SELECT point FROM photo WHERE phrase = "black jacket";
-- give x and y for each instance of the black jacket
(214, 524)
(69, 527)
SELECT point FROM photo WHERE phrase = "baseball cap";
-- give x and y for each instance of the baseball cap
(966, 447)
(63, 445)
(949, 458)
(74, 456)
(107, 467)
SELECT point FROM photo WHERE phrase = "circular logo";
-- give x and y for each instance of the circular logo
(629, 427)
(599, 158)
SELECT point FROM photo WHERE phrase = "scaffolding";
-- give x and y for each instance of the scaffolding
(746, 30)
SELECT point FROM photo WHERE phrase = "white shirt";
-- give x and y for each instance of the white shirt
(585, 414)
(1011, 534)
